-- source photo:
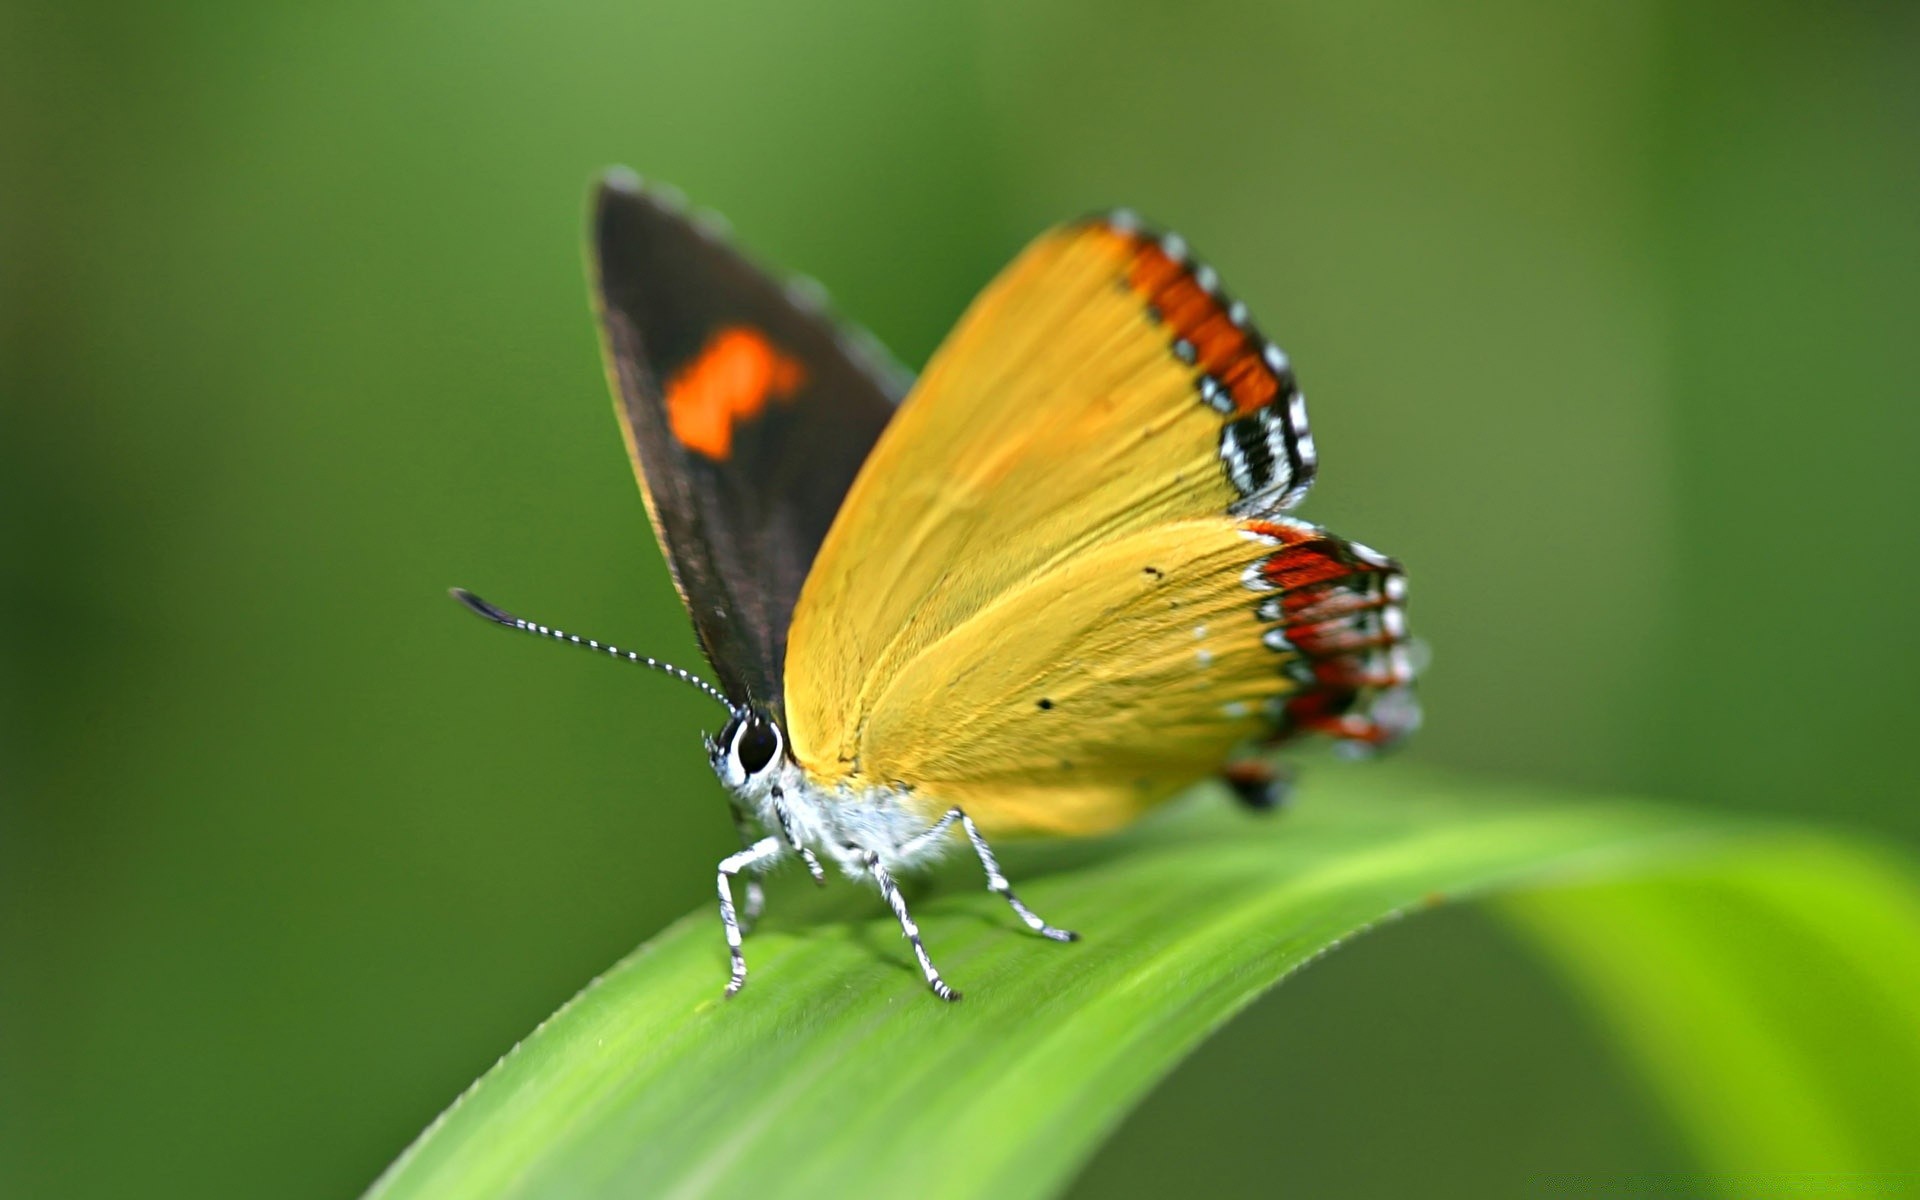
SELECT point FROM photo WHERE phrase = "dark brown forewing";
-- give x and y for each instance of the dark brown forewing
(773, 410)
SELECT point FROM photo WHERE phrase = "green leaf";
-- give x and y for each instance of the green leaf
(836, 1071)
(1769, 994)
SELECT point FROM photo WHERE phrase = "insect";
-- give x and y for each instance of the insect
(1054, 585)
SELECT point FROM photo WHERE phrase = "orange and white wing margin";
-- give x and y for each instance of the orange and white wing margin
(1064, 585)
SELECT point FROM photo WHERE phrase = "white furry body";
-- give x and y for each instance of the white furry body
(839, 825)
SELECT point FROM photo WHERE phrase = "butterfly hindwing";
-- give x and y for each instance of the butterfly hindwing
(747, 413)
(1048, 598)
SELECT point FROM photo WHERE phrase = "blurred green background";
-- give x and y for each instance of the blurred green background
(1607, 314)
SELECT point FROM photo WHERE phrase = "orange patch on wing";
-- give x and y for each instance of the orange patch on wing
(732, 380)
(1306, 558)
(1339, 607)
(1231, 353)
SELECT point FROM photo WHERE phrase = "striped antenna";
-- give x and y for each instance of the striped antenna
(502, 617)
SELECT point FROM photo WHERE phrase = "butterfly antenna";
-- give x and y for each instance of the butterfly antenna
(500, 616)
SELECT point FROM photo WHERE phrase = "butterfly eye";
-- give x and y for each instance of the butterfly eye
(757, 743)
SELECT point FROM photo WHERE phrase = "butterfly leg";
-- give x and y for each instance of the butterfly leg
(997, 883)
(752, 858)
(786, 831)
(756, 894)
(897, 902)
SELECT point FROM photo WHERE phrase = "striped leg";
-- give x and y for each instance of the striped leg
(752, 858)
(756, 894)
(997, 883)
(931, 833)
(898, 903)
(786, 831)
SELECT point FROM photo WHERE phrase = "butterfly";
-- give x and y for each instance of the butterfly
(1041, 589)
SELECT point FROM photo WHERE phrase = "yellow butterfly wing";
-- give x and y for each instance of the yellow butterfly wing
(1050, 596)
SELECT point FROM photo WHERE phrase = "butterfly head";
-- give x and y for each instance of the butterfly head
(749, 751)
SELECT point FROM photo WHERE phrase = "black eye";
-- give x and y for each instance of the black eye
(757, 744)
